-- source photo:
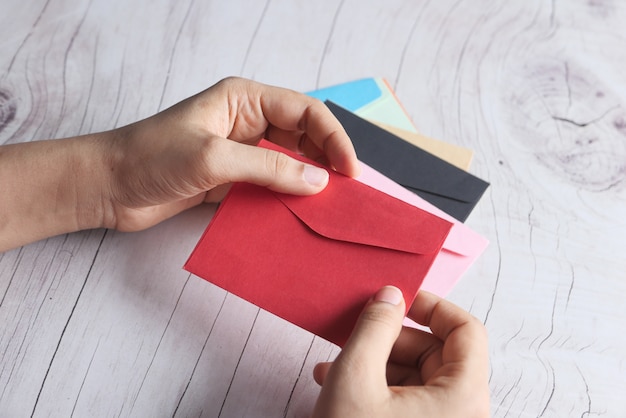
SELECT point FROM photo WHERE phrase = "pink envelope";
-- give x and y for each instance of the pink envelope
(460, 249)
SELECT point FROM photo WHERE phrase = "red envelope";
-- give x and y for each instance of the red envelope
(316, 260)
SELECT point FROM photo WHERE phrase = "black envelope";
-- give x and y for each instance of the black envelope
(451, 189)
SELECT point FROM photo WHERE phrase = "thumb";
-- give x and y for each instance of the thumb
(375, 333)
(271, 169)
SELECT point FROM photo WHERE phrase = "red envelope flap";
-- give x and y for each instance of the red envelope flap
(350, 211)
(461, 240)
(347, 209)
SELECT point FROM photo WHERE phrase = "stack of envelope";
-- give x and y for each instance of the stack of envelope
(316, 260)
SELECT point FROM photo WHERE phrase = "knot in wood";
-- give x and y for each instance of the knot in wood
(8, 109)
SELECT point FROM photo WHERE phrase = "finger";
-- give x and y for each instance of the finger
(286, 139)
(402, 375)
(307, 147)
(298, 142)
(419, 350)
(292, 111)
(230, 161)
(374, 334)
(321, 371)
(464, 337)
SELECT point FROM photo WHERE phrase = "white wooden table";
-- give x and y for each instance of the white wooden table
(101, 323)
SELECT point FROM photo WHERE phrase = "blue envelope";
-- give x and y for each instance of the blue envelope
(370, 98)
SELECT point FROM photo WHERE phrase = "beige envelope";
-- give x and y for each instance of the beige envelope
(454, 154)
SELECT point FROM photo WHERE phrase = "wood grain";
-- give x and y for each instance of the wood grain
(102, 323)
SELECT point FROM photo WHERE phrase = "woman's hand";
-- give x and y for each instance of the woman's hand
(192, 151)
(386, 370)
(133, 177)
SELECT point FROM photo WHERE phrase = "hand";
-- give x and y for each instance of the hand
(386, 370)
(191, 152)
(133, 177)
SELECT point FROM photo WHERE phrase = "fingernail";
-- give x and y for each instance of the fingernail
(389, 294)
(315, 175)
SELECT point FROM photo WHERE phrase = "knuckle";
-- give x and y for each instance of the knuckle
(277, 163)
(230, 81)
(212, 152)
(478, 327)
(379, 315)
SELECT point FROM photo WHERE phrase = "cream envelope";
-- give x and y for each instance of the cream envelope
(460, 249)
(454, 154)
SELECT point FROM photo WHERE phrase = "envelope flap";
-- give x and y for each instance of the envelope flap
(461, 240)
(347, 209)
(352, 95)
(407, 164)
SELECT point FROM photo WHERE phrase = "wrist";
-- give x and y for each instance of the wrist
(90, 162)
(51, 187)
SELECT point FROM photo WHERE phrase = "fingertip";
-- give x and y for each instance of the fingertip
(355, 170)
(345, 160)
(315, 176)
(320, 371)
(350, 168)
(389, 294)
